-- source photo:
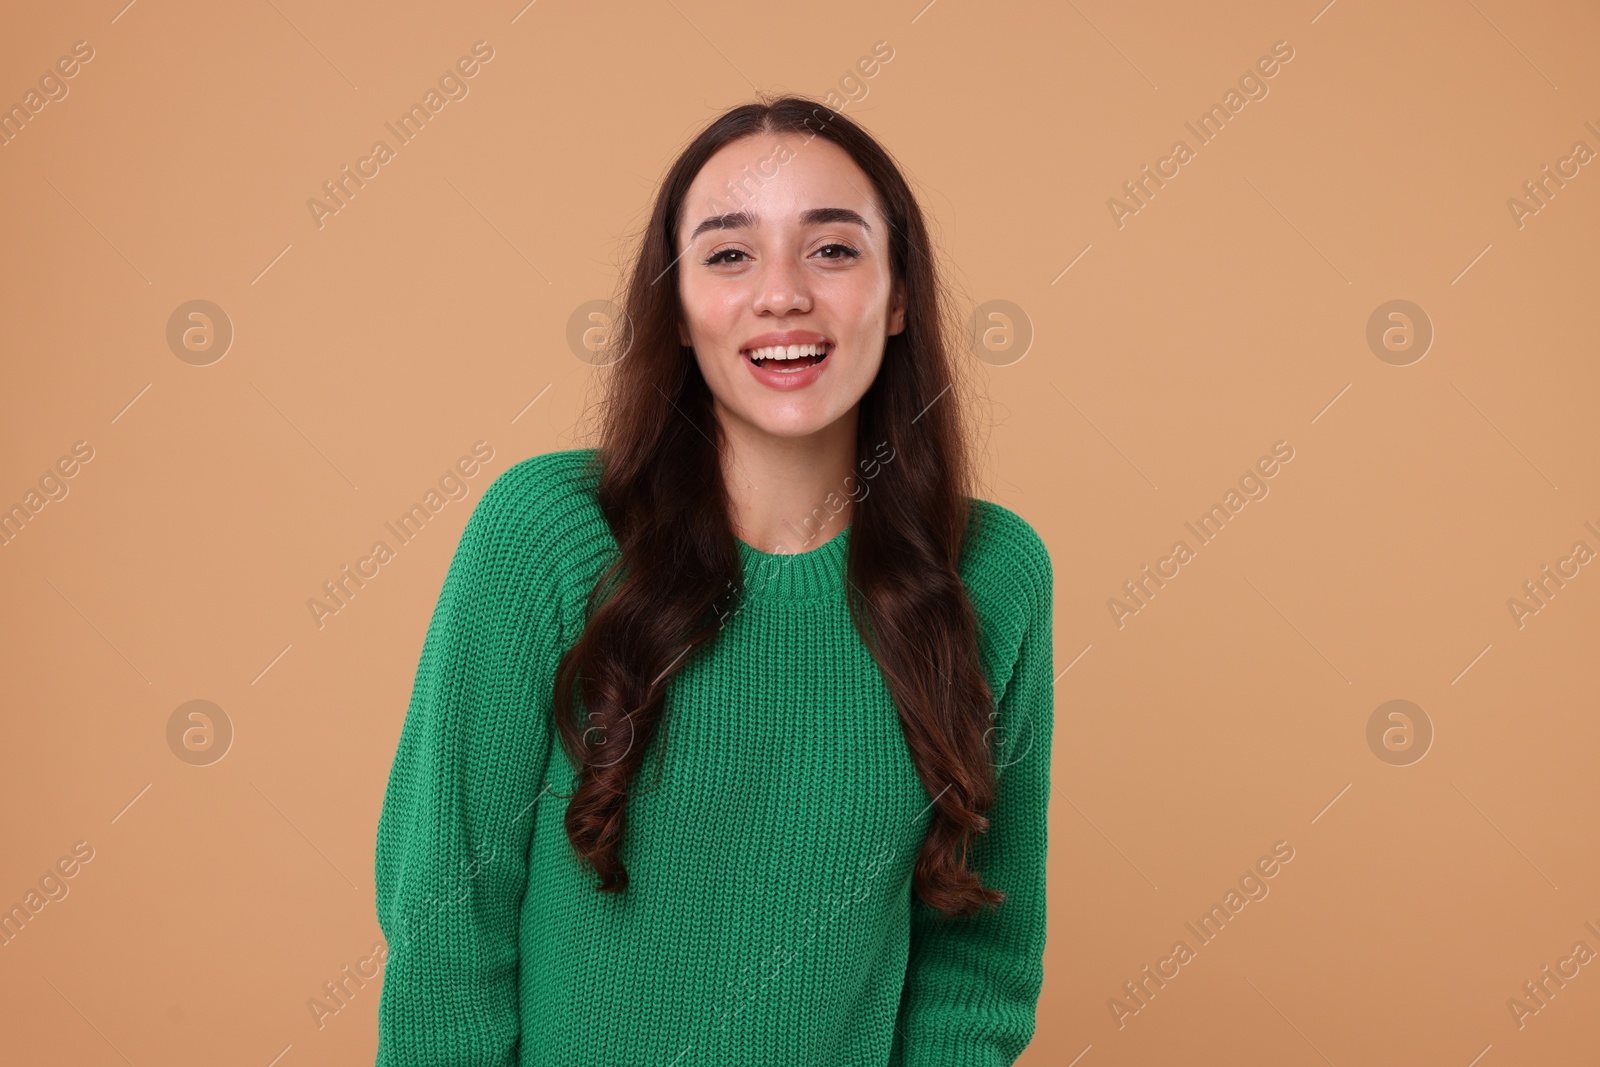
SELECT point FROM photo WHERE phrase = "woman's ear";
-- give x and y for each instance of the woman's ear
(897, 309)
(683, 335)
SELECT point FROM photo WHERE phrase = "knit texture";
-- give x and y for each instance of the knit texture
(769, 918)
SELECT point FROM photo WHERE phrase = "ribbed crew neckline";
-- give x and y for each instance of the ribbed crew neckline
(816, 574)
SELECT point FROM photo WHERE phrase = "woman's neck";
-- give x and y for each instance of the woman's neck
(789, 494)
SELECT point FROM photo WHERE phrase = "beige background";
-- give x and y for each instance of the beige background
(1230, 312)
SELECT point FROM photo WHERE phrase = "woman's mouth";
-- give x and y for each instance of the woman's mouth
(788, 359)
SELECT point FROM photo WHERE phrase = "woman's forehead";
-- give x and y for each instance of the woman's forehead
(751, 184)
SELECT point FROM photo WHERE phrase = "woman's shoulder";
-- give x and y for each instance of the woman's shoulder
(542, 510)
(561, 478)
(1005, 557)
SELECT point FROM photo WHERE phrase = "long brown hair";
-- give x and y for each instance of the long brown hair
(661, 489)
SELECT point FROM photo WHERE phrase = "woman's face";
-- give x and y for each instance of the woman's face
(780, 244)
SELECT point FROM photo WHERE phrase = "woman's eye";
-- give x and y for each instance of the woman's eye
(716, 257)
(845, 251)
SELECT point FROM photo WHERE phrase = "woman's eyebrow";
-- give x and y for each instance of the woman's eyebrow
(740, 220)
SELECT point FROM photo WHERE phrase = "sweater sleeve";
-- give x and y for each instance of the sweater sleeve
(973, 982)
(459, 809)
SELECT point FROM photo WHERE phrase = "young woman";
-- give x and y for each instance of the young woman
(801, 681)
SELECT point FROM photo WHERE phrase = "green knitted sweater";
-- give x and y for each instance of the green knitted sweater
(769, 917)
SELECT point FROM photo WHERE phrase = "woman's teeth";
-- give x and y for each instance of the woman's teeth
(788, 357)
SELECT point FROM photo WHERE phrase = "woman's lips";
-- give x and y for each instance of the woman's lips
(806, 369)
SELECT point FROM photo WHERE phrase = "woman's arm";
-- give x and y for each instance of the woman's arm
(973, 982)
(452, 841)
